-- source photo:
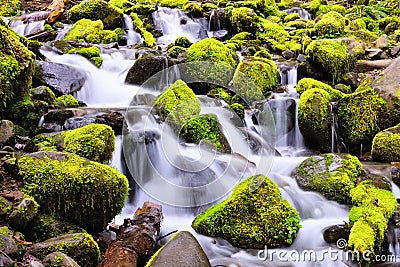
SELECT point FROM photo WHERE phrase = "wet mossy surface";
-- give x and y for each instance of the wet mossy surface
(255, 215)
(386, 145)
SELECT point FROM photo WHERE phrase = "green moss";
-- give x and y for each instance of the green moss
(205, 128)
(286, 4)
(361, 116)
(140, 9)
(242, 36)
(66, 101)
(43, 93)
(275, 36)
(94, 141)
(332, 56)
(324, 9)
(220, 93)
(333, 175)
(110, 15)
(243, 19)
(177, 104)
(263, 54)
(5, 231)
(314, 6)
(5, 206)
(386, 145)
(194, 10)
(369, 216)
(253, 216)
(175, 51)
(149, 39)
(357, 24)
(92, 53)
(97, 61)
(81, 247)
(89, 31)
(16, 67)
(212, 51)
(44, 227)
(85, 193)
(262, 72)
(238, 109)
(173, 3)
(183, 42)
(10, 8)
(309, 83)
(291, 17)
(24, 213)
(331, 23)
(27, 113)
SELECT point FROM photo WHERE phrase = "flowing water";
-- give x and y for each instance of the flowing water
(169, 170)
(304, 14)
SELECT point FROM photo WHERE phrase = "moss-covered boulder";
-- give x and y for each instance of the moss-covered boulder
(43, 93)
(254, 216)
(219, 62)
(81, 247)
(59, 258)
(71, 188)
(86, 30)
(94, 141)
(331, 23)
(220, 93)
(16, 66)
(182, 41)
(314, 118)
(372, 209)
(361, 115)
(332, 56)
(177, 104)
(386, 145)
(310, 83)
(110, 15)
(66, 101)
(10, 8)
(145, 67)
(27, 113)
(243, 19)
(332, 175)
(205, 128)
(91, 53)
(140, 25)
(261, 72)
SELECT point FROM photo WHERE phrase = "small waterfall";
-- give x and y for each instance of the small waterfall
(393, 239)
(175, 23)
(334, 125)
(131, 36)
(288, 73)
(63, 32)
(26, 27)
(214, 23)
(301, 11)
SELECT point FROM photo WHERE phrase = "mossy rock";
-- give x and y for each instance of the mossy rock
(238, 109)
(24, 213)
(110, 15)
(175, 51)
(177, 104)
(85, 193)
(44, 227)
(10, 8)
(92, 53)
(66, 101)
(314, 118)
(369, 216)
(194, 9)
(182, 42)
(386, 145)
(219, 62)
(16, 67)
(94, 141)
(310, 83)
(81, 247)
(361, 115)
(205, 128)
(254, 216)
(255, 71)
(148, 38)
(145, 67)
(220, 93)
(173, 3)
(243, 19)
(27, 113)
(332, 175)
(86, 30)
(332, 56)
(43, 93)
(274, 35)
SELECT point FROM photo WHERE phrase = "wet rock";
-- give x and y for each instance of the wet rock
(77, 122)
(146, 67)
(288, 54)
(51, 127)
(308, 70)
(301, 58)
(382, 42)
(6, 261)
(24, 213)
(8, 245)
(62, 78)
(180, 251)
(353, 79)
(394, 51)
(31, 261)
(43, 93)
(81, 247)
(376, 180)
(6, 131)
(332, 175)
(369, 65)
(220, 34)
(114, 119)
(386, 145)
(58, 116)
(373, 53)
(54, 259)
(335, 232)
(395, 174)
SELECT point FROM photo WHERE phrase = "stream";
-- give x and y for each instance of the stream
(191, 177)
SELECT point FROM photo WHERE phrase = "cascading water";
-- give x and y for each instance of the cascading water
(302, 12)
(175, 23)
(131, 36)
(27, 26)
